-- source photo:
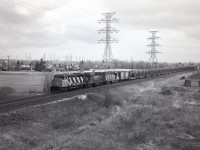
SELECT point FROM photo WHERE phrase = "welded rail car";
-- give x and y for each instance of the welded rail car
(65, 82)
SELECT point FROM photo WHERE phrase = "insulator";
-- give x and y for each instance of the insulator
(116, 20)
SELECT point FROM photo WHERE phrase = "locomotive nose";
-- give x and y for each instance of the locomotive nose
(57, 82)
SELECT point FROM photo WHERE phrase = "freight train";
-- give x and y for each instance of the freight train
(66, 82)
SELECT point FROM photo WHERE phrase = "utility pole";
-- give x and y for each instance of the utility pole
(107, 56)
(54, 57)
(30, 56)
(44, 57)
(71, 57)
(67, 58)
(132, 64)
(153, 50)
(8, 62)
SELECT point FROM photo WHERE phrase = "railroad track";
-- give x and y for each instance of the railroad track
(15, 104)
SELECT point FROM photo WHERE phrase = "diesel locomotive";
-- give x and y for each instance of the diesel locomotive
(65, 82)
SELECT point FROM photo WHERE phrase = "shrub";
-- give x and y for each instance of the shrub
(183, 77)
(31, 141)
(166, 91)
(4, 91)
(68, 119)
(195, 95)
(66, 122)
(111, 100)
(179, 89)
(47, 82)
(95, 99)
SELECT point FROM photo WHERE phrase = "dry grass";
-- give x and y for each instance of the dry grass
(112, 100)
(195, 76)
(109, 121)
(166, 91)
(160, 124)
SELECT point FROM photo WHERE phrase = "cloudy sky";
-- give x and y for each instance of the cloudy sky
(69, 27)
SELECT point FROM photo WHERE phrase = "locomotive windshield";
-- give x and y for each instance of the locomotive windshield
(58, 77)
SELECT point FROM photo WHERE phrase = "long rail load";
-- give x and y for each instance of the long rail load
(66, 82)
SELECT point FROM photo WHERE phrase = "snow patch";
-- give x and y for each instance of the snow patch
(7, 137)
(150, 86)
(58, 101)
(192, 103)
(177, 104)
(186, 136)
(81, 97)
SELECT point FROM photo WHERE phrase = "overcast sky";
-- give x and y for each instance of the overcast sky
(69, 27)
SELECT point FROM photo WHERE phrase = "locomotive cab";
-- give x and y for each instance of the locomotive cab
(57, 83)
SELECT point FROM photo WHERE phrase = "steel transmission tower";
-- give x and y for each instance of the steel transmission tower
(153, 50)
(107, 57)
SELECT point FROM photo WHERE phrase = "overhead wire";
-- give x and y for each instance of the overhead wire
(24, 21)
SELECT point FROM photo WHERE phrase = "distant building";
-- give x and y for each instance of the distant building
(25, 67)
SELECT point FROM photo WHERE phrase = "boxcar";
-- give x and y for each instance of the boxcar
(123, 75)
(111, 77)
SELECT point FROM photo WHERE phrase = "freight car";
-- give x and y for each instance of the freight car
(123, 75)
(66, 82)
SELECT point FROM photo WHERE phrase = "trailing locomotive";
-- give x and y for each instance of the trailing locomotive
(66, 82)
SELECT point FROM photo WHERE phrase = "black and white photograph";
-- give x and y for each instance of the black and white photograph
(99, 75)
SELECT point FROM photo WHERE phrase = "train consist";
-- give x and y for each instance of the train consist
(66, 82)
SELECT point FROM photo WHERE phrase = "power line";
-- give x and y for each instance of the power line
(8, 62)
(153, 50)
(107, 57)
(24, 20)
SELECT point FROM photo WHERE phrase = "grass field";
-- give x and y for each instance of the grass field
(22, 82)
